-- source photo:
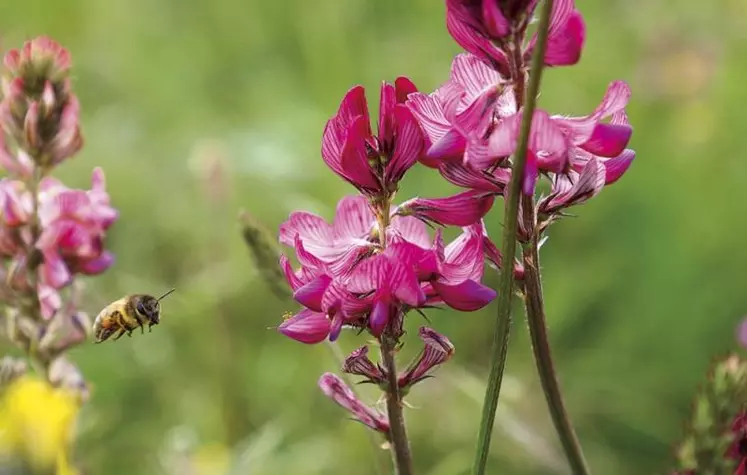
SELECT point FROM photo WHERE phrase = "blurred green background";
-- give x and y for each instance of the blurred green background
(198, 109)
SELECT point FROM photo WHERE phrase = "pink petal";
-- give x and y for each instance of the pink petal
(404, 87)
(565, 37)
(468, 37)
(54, 272)
(548, 142)
(411, 229)
(380, 316)
(503, 140)
(295, 280)
(580, 129)
(306, 258)
(462, 209)
(588, 184)
(306, 326)
(49, 301)
(450, 146)
(428, 110)
(474, 76)
(354, 219)
(464, 258)
(310, 295)
(608, 140)
(405, 285)
(336, 327)
(309, 227)
(424, 262)
(388, 100)
(408, 144)
(616, 167)
(467, 177)
(467, 296)
(531, 174)
(98, 265)
(354, 105)
(354, 159)
(496, 24)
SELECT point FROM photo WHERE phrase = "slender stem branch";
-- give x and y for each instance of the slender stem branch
(398, 433)
(505, 287)
(535, 309)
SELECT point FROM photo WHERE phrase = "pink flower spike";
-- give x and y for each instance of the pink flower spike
(462, 209)
(359, 364)
(437, 350)
(307, 327)
(336, 389)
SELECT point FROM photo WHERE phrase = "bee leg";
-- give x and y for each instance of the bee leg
(129, 333)
(142, 330)
(120, 334)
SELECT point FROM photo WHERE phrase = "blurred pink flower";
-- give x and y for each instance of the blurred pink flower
(373, 164)
(306, 326)
(41, 53)
(336, 389)
(482, 27)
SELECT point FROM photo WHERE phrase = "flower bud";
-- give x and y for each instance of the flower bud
(359, 364)
(10, 370)
(336, 389)
(437, 350)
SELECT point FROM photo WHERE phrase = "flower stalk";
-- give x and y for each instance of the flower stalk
(502, 331)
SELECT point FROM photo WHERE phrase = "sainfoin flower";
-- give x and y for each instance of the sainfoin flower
(336, 389)
(436, 351)
(480, 26)
(349, 278)
(373, 163)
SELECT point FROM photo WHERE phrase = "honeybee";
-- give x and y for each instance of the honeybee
(127, 314)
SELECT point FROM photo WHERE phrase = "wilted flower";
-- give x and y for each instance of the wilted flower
(373, 164)
(336, 389)
(436, 351)
(482, 27)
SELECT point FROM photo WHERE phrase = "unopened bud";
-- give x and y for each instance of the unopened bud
(359, 364)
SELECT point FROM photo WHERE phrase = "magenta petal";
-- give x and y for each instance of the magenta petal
(408, 145)
(616, 167)
(306, 326)
(98, 265)
(503, 140)
(496, 24)
(354, 218)
(462, 209)
(466, 297)
(428, 110)
(310, 228)
(354, 158)
(54, 272)
(305, 257)
(380, 316)
(467, 177)
(608, 140)
(388, 99)
(464, 258)
(549, 143)
(404, 284)
(310, 295)
(354, 105)
(469, 38)
(404, 87)
(530, 174)
(451, 145)
(411, 230)
(336, 327)
(565, 43)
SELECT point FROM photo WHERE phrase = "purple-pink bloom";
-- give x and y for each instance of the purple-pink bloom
(360, 364)
(558, 143)
(306, 326)
(336, 389)
(462, 209)
(437, 350)
(373, 164)
(482, 27)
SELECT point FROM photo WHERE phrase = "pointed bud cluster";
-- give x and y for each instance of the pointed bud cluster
(716, 441)
(374, 164)
(437, 350)
(336, 389)
(346, 276)
(38, 109)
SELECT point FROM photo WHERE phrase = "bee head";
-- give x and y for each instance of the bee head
(150, 308)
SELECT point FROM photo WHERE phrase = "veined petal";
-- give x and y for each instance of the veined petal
(468, 177)
(354, 158)
(380, 316)
(334, 388)
(589, 183)
(428, 110)
(616, 167)
(608, 140)
(450, 146)
(469, 38)
(566, 35)
(354, 105)
(496, 24)
(310, 295)
(312, 229)
(462, 209)
(464, 258)
(403, 87)
(424, 262)
(467, 296)
(410, 229)
(474, 76)
(580, 129)
(306, 326)
(408, 144)
(354, 219)
(387, 101)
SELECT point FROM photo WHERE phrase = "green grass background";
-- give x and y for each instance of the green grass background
(643, 288)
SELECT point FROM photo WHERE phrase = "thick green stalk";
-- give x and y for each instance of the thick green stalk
(505, 286)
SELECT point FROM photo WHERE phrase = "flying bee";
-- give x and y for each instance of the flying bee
(126, 315)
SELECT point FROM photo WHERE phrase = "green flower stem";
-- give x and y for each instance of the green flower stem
(505, 287)
(535, 309)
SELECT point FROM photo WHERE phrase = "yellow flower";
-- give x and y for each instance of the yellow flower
(37, 423)
(212, 459)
